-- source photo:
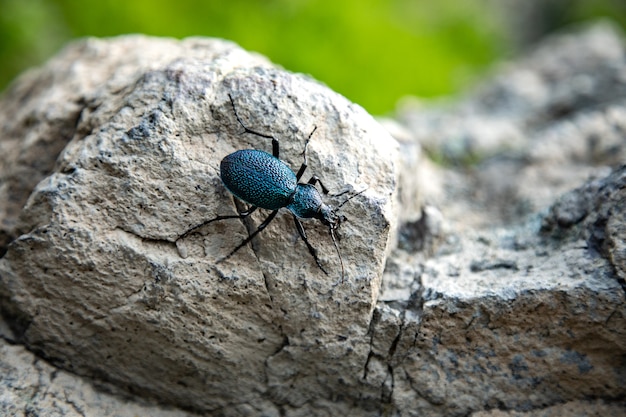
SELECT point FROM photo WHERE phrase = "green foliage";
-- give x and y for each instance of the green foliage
(30, 31)
(372, 51)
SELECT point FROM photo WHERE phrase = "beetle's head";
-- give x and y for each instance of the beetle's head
(328, 216)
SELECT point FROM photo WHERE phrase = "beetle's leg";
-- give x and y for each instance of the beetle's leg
(275, 147)
(312, 250)
(247, 212)
(239, 206)
(301, 172)
(306, 145)
(262, 226)
(304, 164)
(241, 215)
(314, 180)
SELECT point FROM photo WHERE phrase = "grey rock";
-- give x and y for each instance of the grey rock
(31, 386)
(541, 126)
(502, 292)
(521, 306)
(96, 280)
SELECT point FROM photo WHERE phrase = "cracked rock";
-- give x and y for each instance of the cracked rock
(521, 306)
(125, 138)
(31, 386)
(501, 294)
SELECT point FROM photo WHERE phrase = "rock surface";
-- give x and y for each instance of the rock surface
(29, 386)
(503, 291)
(97, 280)
(515, 299)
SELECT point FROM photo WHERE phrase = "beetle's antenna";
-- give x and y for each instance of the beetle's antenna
(332, 228)
(332, 235)
(351, 197)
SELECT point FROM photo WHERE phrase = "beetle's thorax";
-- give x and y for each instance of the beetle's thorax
(306, 202)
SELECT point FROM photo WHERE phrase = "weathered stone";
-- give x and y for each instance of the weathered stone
(503, 292)
(522, 306)
(95, 280)
(540, 127)
(30, 386)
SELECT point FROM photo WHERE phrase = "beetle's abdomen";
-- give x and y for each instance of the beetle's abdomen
(258, 178)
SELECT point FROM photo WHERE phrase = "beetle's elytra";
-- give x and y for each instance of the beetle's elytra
(258, 178)
(264, 181)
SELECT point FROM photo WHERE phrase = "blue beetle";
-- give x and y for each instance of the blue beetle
(264, 181)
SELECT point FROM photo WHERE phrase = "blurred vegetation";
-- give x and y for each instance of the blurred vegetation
(372, 51)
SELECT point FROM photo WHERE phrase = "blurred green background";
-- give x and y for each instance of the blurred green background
(372, 51)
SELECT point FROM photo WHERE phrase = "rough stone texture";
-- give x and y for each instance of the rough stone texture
(29, 386)
(597, 408)
(95, 280)
(512, 298)
(540, 127)
(503, 292)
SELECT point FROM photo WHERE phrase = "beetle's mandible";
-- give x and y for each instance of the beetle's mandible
(264, 181)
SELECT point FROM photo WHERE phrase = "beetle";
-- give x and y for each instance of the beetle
(264, 181)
